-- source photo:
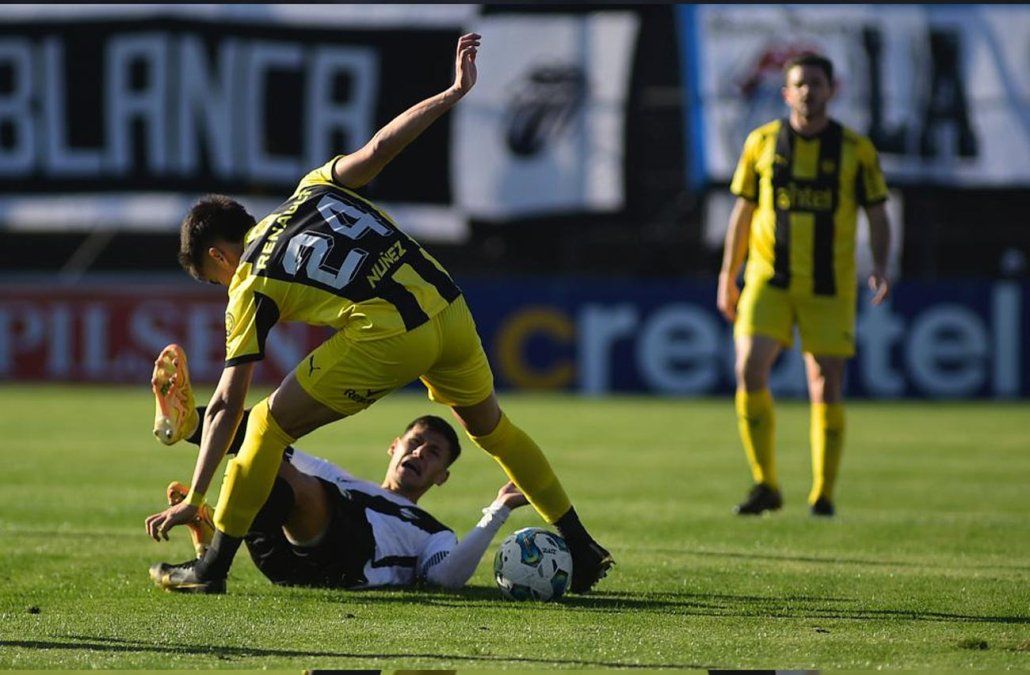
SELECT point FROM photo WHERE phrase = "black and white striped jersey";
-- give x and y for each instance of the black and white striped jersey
(408, 540)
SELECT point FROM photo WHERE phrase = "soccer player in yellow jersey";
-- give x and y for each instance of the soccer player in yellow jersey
(799, 184)
(329, 257)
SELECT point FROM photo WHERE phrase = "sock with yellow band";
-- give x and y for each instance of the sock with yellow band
(757, 424)
(249, 478)
(827, 444)
(250, 475)
(525, 464)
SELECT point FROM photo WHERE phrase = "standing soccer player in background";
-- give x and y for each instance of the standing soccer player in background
(799, 184)
(329, 257)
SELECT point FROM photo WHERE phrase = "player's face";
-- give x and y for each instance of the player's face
(220, 263)
(808, 91)
(213, 274)
(419, 459)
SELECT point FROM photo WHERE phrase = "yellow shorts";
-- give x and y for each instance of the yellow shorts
(445, 353)
(826, 324)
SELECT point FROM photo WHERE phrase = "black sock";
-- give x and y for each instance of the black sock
(571, 529)
(276, 508)
(218, 558)
(237, 441)
(199, 431)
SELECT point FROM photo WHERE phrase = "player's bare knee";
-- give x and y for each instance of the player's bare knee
(825, 378)
(751, 373)
(296, 412)
(824, 387)
(479, 419)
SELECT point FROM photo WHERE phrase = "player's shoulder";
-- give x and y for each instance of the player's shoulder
(255, 233)
(770, 127)
(243, 283)
(759, 138)
(852, 136)
(764, 132)
(321, 175)
(428, 522)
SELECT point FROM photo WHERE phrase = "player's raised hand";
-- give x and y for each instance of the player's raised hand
(511, 496)
(465, 63)
(880, 285)
(159, 523)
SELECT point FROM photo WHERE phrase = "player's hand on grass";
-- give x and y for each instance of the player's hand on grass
(178, 514)
(465, 63)
(727, 296)
(511, 496)
(880, 285)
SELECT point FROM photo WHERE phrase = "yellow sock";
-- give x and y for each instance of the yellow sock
(757, 423)
(827, 444)
(250, 475)
(526, 466)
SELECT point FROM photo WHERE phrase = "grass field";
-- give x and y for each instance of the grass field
(926, 567)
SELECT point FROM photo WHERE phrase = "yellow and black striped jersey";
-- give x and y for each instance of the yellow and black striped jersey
(329, 257)
(807, 191)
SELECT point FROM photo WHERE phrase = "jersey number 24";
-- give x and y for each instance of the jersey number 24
(345, 220)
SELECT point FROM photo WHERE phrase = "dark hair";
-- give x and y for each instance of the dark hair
(440, 426)
(810, 59)
(213, 218)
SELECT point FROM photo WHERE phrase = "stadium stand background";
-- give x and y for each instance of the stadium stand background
(666, 228)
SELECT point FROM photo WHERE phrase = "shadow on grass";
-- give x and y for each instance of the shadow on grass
(836, 560)
(684, 604)
(108, 644)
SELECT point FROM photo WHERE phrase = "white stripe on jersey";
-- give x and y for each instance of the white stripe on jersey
(402, 545)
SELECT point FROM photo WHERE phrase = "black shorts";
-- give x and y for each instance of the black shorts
(338, 561)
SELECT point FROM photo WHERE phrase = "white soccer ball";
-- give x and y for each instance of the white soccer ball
(533, 564)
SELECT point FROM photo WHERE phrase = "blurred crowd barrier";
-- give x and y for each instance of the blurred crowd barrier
(130, 114)
(942, 90)
(953, 339)
(121, 116)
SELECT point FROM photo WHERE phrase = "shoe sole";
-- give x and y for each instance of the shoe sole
(164, 425)
(160, 579)
(205, 589)
(738, 512)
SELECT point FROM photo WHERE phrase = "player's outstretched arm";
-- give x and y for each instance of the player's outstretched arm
(220, 422)
(360, 167)
(453, 570)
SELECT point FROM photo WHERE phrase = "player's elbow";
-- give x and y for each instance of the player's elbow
(442, 577)
(358, 169)
(381, 150)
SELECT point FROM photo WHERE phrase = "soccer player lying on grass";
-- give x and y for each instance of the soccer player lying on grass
(321, 526)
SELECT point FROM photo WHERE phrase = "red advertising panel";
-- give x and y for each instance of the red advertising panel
(113, 333)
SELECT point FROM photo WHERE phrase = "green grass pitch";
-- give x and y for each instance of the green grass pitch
(927, 565)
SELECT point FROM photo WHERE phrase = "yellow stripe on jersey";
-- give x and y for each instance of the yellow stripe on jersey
(329, 257)
(807, 192)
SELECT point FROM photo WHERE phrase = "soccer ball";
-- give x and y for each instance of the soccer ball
(533, 564)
